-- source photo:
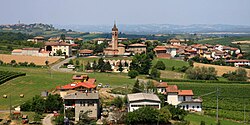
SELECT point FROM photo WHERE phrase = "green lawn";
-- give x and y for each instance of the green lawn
(169, 63)
(232, 98)
(38, 80)
(196, 120)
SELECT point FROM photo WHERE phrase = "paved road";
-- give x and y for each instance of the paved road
(47, 119)
(56, 67)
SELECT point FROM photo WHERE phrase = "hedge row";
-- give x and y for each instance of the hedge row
(202, 81)
(6, 76)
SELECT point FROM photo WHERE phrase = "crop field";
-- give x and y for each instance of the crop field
(232, 98)
(169, 63)
(8, 75)
(196, 120)
(35, 59)
(221, 69)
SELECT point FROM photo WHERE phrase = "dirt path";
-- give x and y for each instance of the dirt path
(47, 119)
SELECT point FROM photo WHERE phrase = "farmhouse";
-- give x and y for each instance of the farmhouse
(54, 47)
(85, 52)
(30, 52)
(137, 48)
(137, 100)
(182, 98)
(81, 102)
(238, 63)
(81, 96)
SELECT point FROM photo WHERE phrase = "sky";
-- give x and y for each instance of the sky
(99, 12)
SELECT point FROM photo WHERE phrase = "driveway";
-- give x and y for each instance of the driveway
(56, 67)
(47, 119)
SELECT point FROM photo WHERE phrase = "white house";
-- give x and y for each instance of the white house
(137, 100)
(182, 98)
(53, 47)
(239, 63)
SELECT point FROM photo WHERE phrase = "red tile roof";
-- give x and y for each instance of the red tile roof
(162, 84)
(138, 44)
(240, 60)
(86, 51)
(172, 88)
(88, 84)
(57, 44)
(79, 77)
(186, 92)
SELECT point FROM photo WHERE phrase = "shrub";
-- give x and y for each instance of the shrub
(155, 73)
(202, 73)
(133, 73)
(160, 65)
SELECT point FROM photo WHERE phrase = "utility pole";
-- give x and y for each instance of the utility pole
(244, 112)
(217, 110)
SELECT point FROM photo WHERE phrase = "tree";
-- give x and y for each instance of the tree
(59, 52)
(160, 65)
(164, 115)
(202, 73)
(132, 73)
(141, 63)
(70, 113)
(177, 113)
(87, 66)
(13, 62)
(53, 103)
(238, 75)
(155, 73)
(63, 37)
(1, 62)
(84, 118)
(38, 104)
(59, 120)
(136, 88)
(203, 123)
(47, 62)
(144, 115)
(120, 67)
(118, 102)
(71, 62)
(107, 66)
(94, 66)
(101, 64)
(77, 62)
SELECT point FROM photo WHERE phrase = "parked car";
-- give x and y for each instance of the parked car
(71, 67)
(99, 85)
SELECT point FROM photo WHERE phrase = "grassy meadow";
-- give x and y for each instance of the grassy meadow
(38, 80)
(169, 63)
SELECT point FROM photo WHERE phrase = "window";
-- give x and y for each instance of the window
(187, 106)
(183, 107)
(193, 107)
(198, 107)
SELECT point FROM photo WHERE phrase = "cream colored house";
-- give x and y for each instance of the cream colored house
(54, 47)
(137, 100)
(82, 102)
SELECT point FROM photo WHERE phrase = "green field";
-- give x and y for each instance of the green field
(223, 41)
(232, 98)
(196, 120)
(169, 63)
(38, 80)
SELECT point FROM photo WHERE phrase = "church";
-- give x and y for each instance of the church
(115, 49)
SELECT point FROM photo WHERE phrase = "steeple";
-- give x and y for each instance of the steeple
(114, 27)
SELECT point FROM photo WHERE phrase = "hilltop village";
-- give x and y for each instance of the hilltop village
(119, 80)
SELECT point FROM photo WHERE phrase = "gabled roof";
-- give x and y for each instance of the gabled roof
(172, 88)
(79, 77)
(186, 92)
(162, 85)
(86, 51)
(56, 44)
(82, 95)
(143, 96)
(137, 45)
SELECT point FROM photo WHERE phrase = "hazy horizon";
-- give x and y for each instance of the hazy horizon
(129, 12)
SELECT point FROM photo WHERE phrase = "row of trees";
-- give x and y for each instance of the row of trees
(201, 73)
(100, 66)
(41, 105)
(148, 115)
(14, 63)
(238, 75)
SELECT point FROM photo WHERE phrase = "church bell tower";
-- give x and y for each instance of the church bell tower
(114, 37)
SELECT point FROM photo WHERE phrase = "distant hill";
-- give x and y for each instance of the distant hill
(161, 28)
